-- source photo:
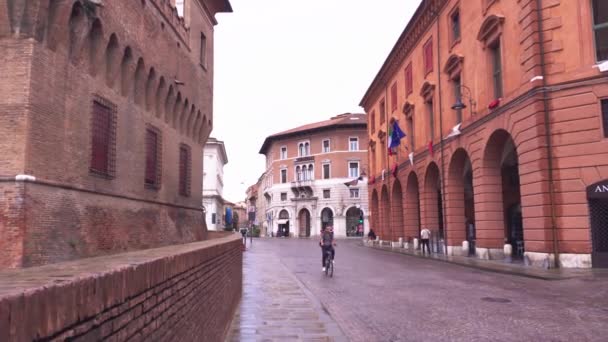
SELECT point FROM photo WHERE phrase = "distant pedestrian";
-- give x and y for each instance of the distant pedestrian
(425, 235)
(371, 235)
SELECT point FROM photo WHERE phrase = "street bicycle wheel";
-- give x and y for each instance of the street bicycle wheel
(330, 268)
(327, 263)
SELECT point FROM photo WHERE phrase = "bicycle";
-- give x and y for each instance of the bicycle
(329, 264)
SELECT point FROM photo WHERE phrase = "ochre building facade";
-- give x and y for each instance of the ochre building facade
(505, 107)
(105, 109)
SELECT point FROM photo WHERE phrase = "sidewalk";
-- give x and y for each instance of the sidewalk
(276, 306)
(499, 266)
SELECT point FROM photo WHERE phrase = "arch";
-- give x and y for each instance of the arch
(159, 96)
(169, 104)
(125, 71)
(78, 30)
(375, 224)
(111, 60)
(176, 108)
(500, 204)
(460, 205)
(283, 228)
(139, 88)
(432, 200)
(352, 222)
(397, 210)
(490, 29)
(304, 223)
(95, 41)
(412, 207)
(385, 212)
(150, 83)
(327, 217)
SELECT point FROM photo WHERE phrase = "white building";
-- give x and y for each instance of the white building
(214, 159)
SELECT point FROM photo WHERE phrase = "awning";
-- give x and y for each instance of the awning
(282, 221)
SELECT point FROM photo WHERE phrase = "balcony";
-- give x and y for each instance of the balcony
(305, 159)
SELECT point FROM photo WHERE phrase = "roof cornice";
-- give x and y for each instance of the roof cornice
(422, 19)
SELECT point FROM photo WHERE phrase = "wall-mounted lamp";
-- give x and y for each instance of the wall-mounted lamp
(178, 82)
(466, 93)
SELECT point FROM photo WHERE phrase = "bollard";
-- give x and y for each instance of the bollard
(416, 244)
(465, 248)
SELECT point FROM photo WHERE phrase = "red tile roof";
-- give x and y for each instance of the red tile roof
(342, 120)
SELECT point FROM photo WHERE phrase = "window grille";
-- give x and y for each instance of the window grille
(103, 138)
(185, 164)
(153, 171)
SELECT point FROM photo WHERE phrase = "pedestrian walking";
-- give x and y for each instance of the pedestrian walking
(425, 235)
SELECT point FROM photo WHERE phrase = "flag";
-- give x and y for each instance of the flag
(431, 147)
(371, 181)
(353, 182)
(455, 131)
(395, 134)
(394, 171)
(411, 156)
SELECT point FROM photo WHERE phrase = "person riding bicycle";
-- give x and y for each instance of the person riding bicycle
(327, 243)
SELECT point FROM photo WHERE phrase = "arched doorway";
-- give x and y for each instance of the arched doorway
(412, 208)
(283, 224)
(375, 213)
(397, 210)
(385, 231)
(304, 223)
(501, 188)
(327, 218)
(433, 206)
(460, 206)
(353, 228)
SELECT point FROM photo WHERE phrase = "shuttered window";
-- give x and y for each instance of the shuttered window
(428, 56)
(600, 28)
(409, 80)
(153, 153)
(373, 121)
(605, 117)
(497, 70)
(103, 138)
(185, 164)
(394, 97)
(382, 112)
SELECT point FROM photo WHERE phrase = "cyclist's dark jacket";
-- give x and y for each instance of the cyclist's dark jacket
(327, 238)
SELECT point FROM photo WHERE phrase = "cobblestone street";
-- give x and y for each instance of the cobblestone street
(382, 296)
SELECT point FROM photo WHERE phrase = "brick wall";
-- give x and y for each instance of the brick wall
(186, 293)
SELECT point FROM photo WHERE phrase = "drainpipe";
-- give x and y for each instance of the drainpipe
(548, 141)
(442, 177)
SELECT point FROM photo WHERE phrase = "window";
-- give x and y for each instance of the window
(303, 149)
(382, 111)
(354, 193)
(326, 193)
(373, 121)
(153, 154)
(600, 27)
(284, 152)
(203, 51)
(458, 96)
(431, 113)
(283, 196)
(326, 173)
(428, 56)
(496, 69)
(185, 164)
(298, 173)
(353, 169)
(605, 116)
(409, 80)
(394, 97)
(326, 146)
(103, 138)
(411, 132)
(311, 172)
(284, 176)
(353, 144)
(455, 21)
(213, 218)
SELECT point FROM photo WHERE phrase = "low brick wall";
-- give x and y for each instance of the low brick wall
(178, 293)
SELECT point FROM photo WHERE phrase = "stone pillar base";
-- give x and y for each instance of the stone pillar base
(396, 244)
(536, 259)
(489, 253)
(454, 250)
(567, 260)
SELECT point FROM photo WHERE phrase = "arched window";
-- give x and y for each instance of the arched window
(311, 172)
(298, 173)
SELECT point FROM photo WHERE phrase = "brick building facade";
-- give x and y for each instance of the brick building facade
(523, 175)
(105, 109)
(303, 188)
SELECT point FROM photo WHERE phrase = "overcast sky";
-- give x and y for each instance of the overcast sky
(280, 64)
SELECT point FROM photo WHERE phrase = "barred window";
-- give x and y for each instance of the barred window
(185, 164)
(153, 158)
(604, 104)
(103, 138)
(428, 56)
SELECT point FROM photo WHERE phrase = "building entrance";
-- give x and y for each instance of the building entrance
(597, 195)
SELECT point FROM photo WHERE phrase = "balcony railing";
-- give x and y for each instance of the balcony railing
(305, 159)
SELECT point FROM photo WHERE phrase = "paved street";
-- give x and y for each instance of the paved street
(382, 296)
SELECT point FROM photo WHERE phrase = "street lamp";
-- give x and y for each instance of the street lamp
(465, 92)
